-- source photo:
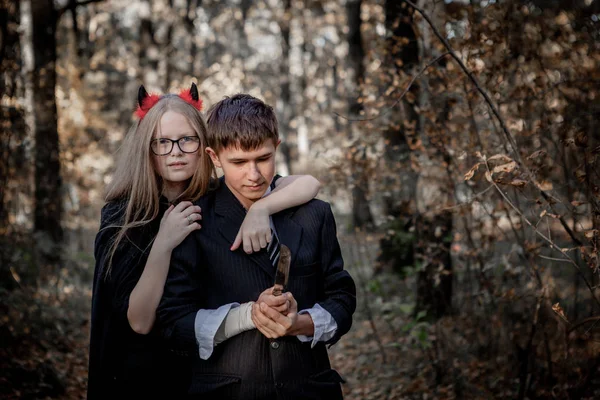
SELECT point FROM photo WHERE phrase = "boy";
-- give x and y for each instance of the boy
(285, 358)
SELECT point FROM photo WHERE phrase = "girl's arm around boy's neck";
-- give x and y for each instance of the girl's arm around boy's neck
(290, 191)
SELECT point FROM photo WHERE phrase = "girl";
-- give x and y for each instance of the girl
(161, 169)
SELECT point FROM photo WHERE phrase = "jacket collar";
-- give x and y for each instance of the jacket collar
(232, 214)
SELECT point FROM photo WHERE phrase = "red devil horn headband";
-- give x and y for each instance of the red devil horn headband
(147, 101)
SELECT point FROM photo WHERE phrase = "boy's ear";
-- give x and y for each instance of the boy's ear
(213, 156)
(277, 143)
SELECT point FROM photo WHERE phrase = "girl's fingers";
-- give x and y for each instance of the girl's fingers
(182, 206)
(247, 244)
(237, 242)
(193, 227)
(192, 210)
(194, 217)
(168, 212)
(255, 244)
(262, 241)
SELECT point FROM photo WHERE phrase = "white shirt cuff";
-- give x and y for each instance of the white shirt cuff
(205, 326)
(325, 325)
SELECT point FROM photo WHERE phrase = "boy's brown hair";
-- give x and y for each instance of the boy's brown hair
(241, 121)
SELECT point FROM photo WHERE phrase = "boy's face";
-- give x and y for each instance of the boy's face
(248, 174)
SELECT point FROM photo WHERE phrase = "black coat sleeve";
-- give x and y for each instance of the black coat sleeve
(181, 297)
(128, 261)
(110, 295)
(338, 285)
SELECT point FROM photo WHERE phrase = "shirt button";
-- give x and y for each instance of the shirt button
(274, 345)
(279, 385)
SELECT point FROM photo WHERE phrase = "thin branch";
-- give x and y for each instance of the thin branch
(536, 230)
(453, 54)
(496, 113)
(466, 203)
(583, 322)
(385, 111)
(554, 258)
(513, 144)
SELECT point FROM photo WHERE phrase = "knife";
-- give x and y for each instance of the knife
(283, 270)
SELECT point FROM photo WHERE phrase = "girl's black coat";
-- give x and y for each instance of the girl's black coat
(124, 364)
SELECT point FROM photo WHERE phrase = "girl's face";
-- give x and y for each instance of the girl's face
(175, 150)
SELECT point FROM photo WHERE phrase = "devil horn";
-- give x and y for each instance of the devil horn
(142, 94)
(194, 92)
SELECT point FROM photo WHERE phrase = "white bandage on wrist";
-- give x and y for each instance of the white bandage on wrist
(238, 320)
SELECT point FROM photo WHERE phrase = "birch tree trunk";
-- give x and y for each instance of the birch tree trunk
(284, 108)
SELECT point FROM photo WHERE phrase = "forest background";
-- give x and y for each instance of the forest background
(457, 141)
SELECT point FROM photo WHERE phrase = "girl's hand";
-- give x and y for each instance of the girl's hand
(178, 222)
(255, 232)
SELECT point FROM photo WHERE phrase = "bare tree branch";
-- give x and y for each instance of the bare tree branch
(385, 111)
(546, 238)
(511, 140)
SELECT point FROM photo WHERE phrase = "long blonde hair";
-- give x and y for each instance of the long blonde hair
(135, 178)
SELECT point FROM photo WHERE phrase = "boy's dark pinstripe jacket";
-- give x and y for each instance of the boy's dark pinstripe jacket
(204, 273)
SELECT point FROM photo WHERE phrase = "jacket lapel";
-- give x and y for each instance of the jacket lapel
(231, 215)
(288, 231)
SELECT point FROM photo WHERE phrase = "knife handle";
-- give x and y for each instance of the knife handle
(277, 290)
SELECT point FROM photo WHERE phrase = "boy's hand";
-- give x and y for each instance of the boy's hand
(280, 304)
(255, 232)
(274, 324)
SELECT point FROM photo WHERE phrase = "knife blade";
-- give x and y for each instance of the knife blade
(283, 270)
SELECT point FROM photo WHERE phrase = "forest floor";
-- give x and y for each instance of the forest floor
(45, 334)
(388, 354)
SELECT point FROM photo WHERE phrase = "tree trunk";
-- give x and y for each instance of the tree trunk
(302, 143)
(359, 180)
(9, 65)
(403, 54)
(12, 130)
(433, 231)
(284, 108)
(433, 228)
(434, 281)
(48, 204)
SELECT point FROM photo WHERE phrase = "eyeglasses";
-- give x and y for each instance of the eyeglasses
(163, 146)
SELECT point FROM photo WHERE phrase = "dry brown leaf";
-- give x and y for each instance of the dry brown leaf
(518, 182)
(558, 310)
(580, 174)
(537, 154)
(591, 233)
(502, 157)
(545, 185)
(508, 167)
(488, 176)
(471, 172)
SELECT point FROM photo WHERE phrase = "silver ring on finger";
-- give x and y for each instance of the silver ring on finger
(190, 220)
